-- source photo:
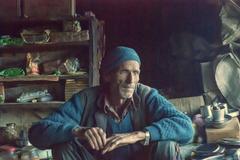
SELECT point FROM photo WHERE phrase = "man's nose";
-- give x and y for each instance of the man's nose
(130, 78)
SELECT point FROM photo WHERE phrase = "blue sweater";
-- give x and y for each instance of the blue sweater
(153, 113)
(113, 127)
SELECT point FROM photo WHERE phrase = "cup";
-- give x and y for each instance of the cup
(206, 111)
(218, 114)
(225, 106)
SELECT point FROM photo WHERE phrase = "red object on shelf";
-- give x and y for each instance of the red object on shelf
(7, 148)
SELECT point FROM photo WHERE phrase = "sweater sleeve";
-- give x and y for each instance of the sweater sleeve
(57, 127)
(166, 122)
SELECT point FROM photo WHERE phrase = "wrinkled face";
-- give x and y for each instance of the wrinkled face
(124, 79)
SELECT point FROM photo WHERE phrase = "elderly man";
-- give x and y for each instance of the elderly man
(119, 120)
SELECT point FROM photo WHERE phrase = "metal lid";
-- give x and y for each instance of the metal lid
(227, 76)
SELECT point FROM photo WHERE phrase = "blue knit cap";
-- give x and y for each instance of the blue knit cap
(117, 57)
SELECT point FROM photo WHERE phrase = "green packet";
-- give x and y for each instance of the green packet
(12, 72)
(6, 40)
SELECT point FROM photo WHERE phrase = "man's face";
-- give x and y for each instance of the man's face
(124, 79)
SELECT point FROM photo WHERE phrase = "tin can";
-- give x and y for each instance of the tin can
(206, 111)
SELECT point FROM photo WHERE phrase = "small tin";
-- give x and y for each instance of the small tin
(206, 111)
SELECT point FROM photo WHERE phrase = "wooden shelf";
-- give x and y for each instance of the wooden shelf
(38, 105)
(43, 47)
(30, 78)
(42, 78)
(89, 53)
(82, 76)
(45, 20)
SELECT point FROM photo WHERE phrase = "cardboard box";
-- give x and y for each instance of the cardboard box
(231, 130)
(189, 105)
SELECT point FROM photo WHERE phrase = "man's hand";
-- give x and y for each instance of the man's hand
(95, 136)
(119, 140)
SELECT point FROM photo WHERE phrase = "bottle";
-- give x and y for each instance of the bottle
(23, 138)
(2, 93)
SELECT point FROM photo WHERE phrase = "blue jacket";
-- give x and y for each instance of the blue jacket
(153, 113)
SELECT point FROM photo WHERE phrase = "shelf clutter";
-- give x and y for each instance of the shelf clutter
(24, 81)
(62, 60)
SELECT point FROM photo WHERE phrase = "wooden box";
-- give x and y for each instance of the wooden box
(10, 9)
(56, 37)
(231, 130)
(49, 9)
(74, 86)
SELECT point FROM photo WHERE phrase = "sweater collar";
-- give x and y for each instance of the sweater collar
(135, 100)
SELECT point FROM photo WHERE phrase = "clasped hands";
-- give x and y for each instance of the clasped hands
(97, 139)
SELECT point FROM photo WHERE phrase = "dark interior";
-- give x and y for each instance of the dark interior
(148, 27)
